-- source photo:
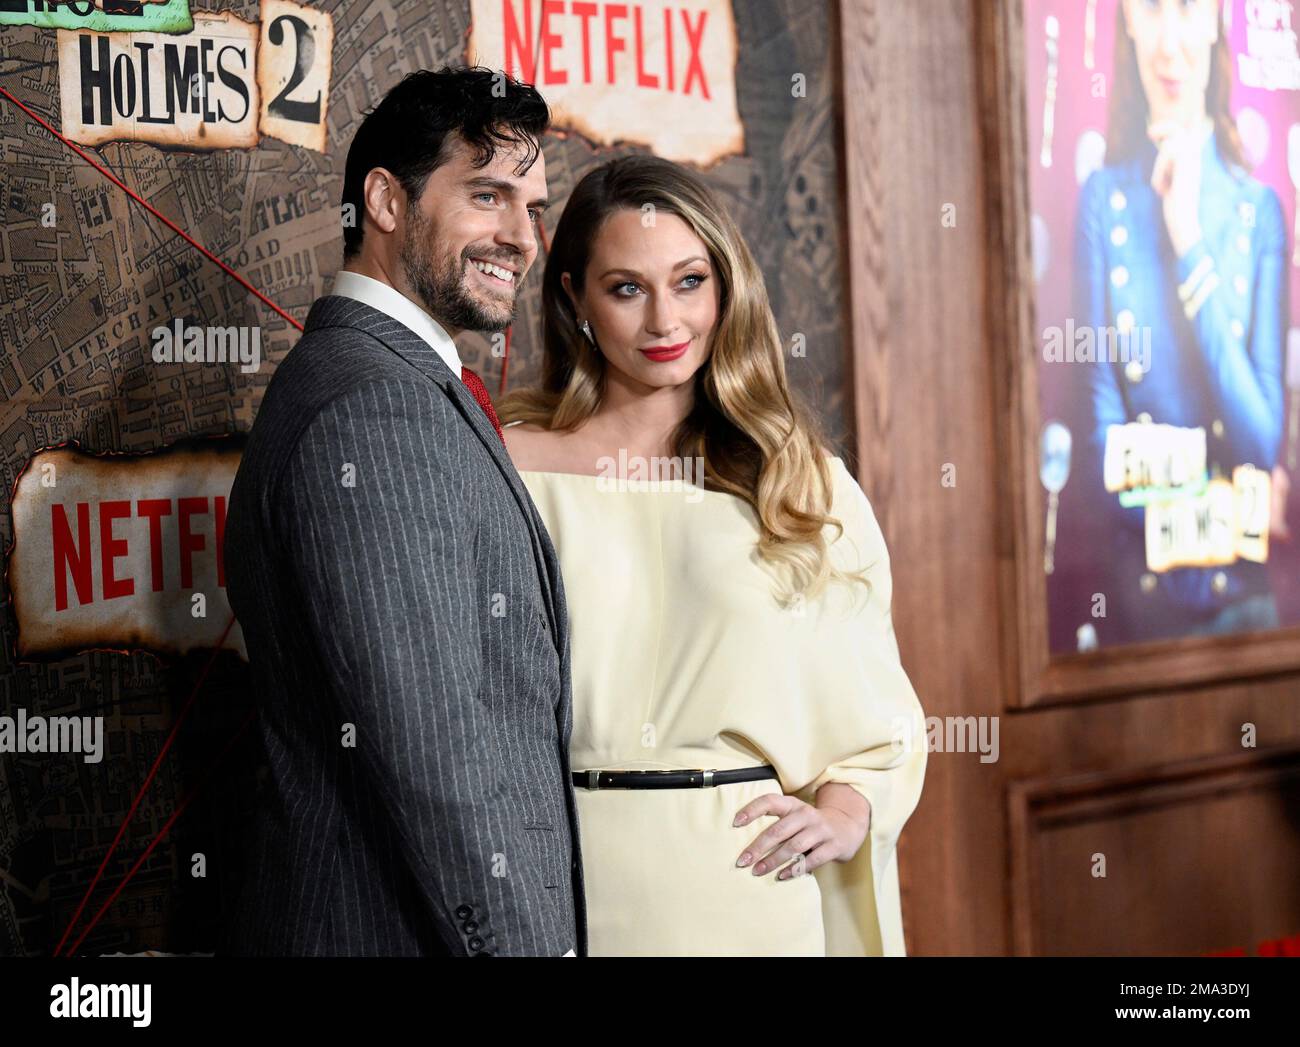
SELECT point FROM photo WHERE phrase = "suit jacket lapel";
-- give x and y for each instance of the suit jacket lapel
(478, 421)
(338, 311)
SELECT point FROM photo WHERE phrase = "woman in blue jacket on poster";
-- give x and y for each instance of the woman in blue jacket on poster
(1177, 241)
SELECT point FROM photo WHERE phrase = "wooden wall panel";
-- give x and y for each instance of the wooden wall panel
(922, 401)
(1157, 861)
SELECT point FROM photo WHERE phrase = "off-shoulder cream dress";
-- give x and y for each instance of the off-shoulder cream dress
(684, 658)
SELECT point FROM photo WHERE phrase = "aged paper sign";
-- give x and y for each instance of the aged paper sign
(197, 90)
(1141, 455)
(1227, 523)
(1190, 520)
(122, 551)
(220, 86)
(293, 72)
(659, 73)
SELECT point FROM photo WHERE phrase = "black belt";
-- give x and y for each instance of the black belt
(696, 779)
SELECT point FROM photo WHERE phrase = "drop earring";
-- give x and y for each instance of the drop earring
(586, 329)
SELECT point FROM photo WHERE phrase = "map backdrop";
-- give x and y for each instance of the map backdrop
(79, 295)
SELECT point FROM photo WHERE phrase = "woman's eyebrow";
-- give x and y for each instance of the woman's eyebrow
(633, 272)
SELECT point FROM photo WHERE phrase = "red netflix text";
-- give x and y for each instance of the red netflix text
(605, 30)
(70, 534)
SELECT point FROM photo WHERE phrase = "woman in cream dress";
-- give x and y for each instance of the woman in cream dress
(728, 591)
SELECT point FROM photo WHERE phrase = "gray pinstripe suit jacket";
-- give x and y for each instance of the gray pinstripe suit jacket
(404, 616)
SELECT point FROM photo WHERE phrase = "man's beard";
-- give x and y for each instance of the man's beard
(440, 283)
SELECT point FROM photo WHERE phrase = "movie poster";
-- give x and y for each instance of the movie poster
(1164, 161)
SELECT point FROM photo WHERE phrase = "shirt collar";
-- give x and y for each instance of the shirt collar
(392, 302)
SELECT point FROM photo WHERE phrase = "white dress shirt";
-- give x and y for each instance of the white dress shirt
(392, 302)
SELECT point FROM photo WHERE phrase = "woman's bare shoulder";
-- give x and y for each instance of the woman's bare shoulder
(529, 445)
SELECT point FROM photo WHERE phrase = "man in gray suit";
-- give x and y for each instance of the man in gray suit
(399, 596)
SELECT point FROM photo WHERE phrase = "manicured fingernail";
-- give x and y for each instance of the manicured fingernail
(759, 869)
(744, 859)
(741, 819)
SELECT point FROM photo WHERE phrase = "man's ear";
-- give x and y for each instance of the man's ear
(384, 199)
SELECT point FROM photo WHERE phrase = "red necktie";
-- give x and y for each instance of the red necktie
(480, 392)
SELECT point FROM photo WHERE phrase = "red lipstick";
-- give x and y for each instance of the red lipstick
(663, 353)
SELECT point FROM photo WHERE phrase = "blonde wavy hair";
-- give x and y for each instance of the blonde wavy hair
(755, 439)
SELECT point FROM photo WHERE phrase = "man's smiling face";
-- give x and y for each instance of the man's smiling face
(472, 235)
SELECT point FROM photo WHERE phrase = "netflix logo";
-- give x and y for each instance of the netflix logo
(666, 59)
(122, 551)
(655, 72)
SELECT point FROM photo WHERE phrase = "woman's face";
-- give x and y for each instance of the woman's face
(1174, 41)
(651, 296)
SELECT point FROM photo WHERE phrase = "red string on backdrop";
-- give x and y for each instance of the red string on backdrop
(121, 831)
(150, 208)
(166, 747)
(212, 767)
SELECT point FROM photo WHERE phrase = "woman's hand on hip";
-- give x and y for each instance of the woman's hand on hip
(812, 836)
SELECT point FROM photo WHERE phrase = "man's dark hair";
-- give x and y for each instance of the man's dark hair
(408, 132)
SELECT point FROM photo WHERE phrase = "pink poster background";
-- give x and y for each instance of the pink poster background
(1264, 118)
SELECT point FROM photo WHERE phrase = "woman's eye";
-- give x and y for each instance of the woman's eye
(699, 278)
(618, 289)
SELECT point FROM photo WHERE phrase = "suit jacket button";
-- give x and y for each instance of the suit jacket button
(464, 912)
(476, 944)
(469, 927)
